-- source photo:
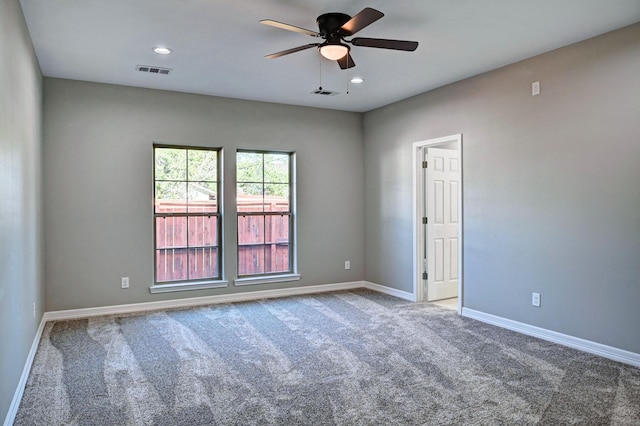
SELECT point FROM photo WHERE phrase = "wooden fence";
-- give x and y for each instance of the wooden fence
(187, 247)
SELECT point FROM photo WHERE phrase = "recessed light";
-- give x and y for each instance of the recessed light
(357, 80)
(162, 50)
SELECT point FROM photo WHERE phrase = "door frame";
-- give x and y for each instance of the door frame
(419, 211)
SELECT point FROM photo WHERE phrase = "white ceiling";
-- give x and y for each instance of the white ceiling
(219, 46)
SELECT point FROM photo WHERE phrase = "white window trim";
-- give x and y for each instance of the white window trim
(293, 274)
(201, 285)
(266, 279)
(171, 286)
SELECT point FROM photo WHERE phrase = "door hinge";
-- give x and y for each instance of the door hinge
(425, 276)
(424, 164)
(425, 221)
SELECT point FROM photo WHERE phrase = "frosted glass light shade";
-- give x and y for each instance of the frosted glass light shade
(334, 51)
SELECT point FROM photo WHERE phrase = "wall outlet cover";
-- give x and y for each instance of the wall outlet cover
(535, 299)
(535, 88)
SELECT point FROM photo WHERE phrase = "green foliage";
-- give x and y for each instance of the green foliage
(180, 170)
(175, 167)
(202, 165)
(258, 173)
(171, 164)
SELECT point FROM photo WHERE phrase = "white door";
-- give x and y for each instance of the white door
(442, 242)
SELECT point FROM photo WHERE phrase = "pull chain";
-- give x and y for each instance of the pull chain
(320, 64)
(348, 57)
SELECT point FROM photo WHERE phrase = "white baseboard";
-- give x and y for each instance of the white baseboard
(17, 396)
(605, 351)
(198, 301)
(390, 291)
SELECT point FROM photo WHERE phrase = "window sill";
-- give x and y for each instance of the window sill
(267, 279)
(202, 285)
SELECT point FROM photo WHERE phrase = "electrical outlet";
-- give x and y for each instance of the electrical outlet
(347, 264)
(535, 299)
(535, 88)
(34, 310)
(125, 282)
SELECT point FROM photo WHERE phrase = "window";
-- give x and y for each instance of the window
(264, 201)
(187, 215)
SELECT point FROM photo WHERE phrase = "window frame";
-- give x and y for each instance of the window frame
(291, 274)
(191, 283)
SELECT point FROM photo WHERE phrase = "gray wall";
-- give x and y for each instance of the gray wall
(98, 185)
(551, 194)
(20, 193)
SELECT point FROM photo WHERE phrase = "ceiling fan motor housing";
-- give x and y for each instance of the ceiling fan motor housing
(329, 24)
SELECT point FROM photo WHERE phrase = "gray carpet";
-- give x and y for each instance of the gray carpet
(345, 358)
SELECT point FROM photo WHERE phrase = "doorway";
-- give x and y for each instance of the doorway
(437, 229)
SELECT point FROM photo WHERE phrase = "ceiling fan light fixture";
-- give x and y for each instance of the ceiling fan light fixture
(334, 51)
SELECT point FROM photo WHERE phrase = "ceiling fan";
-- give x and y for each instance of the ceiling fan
(334, 28)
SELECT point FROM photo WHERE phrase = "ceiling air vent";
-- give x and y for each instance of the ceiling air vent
(324, 92)
(153, 70)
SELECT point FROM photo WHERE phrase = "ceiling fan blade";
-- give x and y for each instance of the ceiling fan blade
(289, 27)
(294, 50)
(346, 62)
(365, 18)
(383, 43)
